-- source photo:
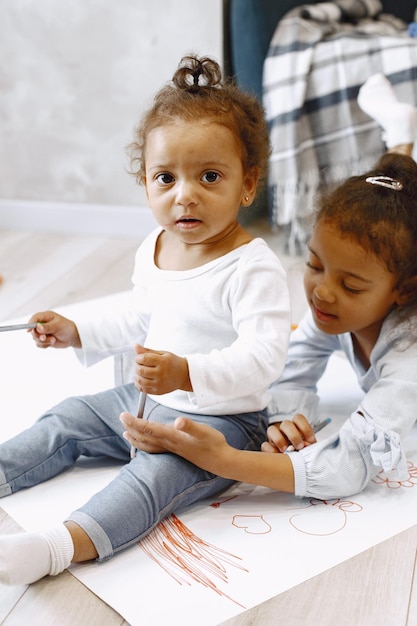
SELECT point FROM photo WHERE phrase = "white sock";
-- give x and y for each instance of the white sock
(27, 557)
(398, 120)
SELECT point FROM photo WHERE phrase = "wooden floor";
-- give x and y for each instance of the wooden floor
(377, 587)
(44, 271)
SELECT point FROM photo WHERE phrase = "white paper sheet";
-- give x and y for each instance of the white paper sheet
(212, 561)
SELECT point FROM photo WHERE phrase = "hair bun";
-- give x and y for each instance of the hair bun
(194, 73)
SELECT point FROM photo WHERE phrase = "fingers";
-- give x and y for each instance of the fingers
(184, 424)
(297, 432)
(146, 352)
(43, 333)
(146, 370)
(42, 338)
(43, 318)
(292, 433)
(146, 436)
(269, 447)
(156, 437)
(55, 330)
(276, 438)
(305, 428)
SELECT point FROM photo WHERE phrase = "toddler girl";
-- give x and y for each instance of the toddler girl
(209, 320)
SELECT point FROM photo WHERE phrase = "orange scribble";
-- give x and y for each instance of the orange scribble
(186, 557)
(252, 524)
(323, 524)
(385, 479)
(217, 504)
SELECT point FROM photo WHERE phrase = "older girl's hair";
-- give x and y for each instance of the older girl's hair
(379, 209)
(196, 93)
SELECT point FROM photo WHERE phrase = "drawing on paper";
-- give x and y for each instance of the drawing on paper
(218, 503)
(323, 517)
(391, 483)
(186, 557)
(252, 524)
(316, 517)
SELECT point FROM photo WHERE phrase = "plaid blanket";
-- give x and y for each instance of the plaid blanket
(319, 135)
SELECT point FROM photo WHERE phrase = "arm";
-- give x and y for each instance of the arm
(387, 413)
(296, 389)
(255, 334)
(207, 448)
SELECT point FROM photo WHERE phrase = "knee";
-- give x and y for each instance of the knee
(69, 408)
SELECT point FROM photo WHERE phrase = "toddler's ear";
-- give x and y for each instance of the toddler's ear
(250, 185)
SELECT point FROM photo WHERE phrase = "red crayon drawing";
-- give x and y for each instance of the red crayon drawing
(252, 524)
(188, 558)
(391, 483)
(323, 517)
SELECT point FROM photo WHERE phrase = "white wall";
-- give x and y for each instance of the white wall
(74, 79)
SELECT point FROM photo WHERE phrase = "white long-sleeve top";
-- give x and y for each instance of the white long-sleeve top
(372, 438)
(230, 318)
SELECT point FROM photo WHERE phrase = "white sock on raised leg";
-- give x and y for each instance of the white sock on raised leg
(397, 119)
(29, 556)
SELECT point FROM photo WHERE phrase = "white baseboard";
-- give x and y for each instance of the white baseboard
(79, 219)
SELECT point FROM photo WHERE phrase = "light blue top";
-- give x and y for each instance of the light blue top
(372, 437)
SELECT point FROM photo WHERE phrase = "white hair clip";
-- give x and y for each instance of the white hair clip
(385, 181)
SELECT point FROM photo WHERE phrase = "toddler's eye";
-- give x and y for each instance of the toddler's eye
(210, 177)
(165, 178)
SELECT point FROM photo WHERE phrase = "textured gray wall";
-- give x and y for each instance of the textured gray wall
(74, 78)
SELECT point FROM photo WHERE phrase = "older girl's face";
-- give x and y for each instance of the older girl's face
(195, 181)
(348, 288)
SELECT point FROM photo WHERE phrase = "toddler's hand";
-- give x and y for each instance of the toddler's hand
(159, 372)
(54, 330)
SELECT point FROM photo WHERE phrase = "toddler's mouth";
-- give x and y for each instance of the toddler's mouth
(188, 221)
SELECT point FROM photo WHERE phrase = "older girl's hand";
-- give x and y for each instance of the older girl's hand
(200, 444)
(296, 432)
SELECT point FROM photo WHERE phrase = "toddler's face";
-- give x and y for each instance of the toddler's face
(195, 181)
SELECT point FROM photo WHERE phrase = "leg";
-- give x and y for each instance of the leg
(153, 485)
(146, 490)
(397, 119)
(84, 548)
(87, 425)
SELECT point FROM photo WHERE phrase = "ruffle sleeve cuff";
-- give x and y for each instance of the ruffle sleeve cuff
(384, 445)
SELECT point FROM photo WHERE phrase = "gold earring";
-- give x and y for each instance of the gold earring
(246, 198)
